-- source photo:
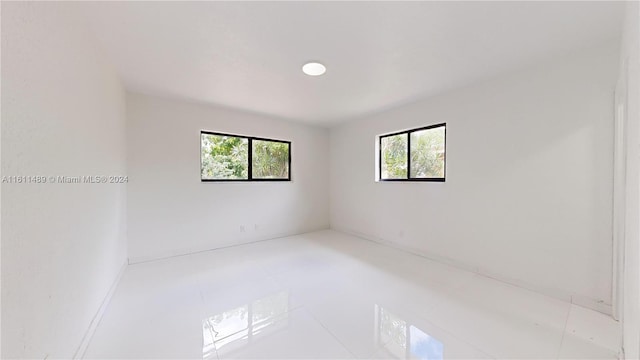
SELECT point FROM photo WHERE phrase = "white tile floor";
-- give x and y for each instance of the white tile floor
(329, 295)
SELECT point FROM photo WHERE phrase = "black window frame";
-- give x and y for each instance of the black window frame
(409, 132)
(249, 157)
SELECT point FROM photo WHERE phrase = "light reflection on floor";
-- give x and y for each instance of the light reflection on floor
(235, 328)
(327, 295)
(401, 340)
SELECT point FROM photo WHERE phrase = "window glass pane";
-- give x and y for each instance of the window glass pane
(427, 153)
(270, 160)
(224, 157)
(394, 157)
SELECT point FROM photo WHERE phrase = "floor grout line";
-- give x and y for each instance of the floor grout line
(310, 313)
(564, 332)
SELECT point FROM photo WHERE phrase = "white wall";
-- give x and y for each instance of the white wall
(171, 212)
(630, 77)
(528, 195)
(63, 245)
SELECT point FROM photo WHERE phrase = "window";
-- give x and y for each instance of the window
(226, 157)
(394, 152)
(270, 159)
(413, 155)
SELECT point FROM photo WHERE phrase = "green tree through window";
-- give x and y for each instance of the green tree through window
(394, 157)
(270, 160)
(427, 153)
(417, 154)
(226, 157)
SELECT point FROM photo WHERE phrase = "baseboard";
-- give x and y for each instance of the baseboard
(182, 252)
(592, 304)
(86, 339)
(554, 293)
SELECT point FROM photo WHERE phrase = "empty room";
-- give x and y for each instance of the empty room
(320, 180)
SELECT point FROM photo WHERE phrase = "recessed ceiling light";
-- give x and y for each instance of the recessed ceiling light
(314, 69)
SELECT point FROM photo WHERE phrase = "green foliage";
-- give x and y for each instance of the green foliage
(427, 153)
(394, 157)
(224, 157)
(270, 160)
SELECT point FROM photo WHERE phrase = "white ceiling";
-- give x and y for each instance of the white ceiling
(248, 55)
